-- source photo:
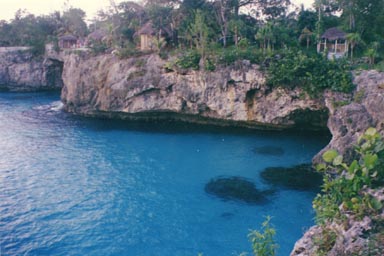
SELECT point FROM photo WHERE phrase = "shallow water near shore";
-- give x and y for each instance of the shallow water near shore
(76, 186)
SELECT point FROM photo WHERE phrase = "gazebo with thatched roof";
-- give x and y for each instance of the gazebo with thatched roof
(334, 41)
(148, 34)
(67, 41)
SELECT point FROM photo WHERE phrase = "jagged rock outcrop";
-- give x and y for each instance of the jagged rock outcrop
(363, 109)
(138, 88)
(21, 71)
(351, 237)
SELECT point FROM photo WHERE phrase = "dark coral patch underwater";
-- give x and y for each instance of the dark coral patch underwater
(237, 189)
(300, 177)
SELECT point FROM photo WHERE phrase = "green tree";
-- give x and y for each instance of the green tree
(73, 22)
(324, 10)
(349, 8)
(364, 17)
(160, 13)
(319, 4)
(353, 40)
(222, 13)
(28, 30)
(200, 33)
(266, 36)
(306, 35)
(120, 22)
(312, 72)
(273, 9)
(237, 27)
(132, 16)
(306, 19)
(372, 52)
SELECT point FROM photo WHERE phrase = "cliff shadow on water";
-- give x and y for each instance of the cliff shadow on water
(169, 125)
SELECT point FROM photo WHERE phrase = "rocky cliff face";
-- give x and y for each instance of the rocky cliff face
(140, 88)
(363, 109)
(351, 115)
(21, 71)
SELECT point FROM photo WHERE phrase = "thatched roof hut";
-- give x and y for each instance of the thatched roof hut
(67, 41)
(333, 34)
(68, 38)
(149, 30)
(148, 33)
(334, 42)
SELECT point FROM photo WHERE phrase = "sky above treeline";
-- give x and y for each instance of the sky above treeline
(38, 7)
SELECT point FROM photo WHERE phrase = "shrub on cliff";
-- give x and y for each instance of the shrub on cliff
(350, 210)
(189, 59)
(98, 47)
(263, 241)
(314, 73)
(347, 188)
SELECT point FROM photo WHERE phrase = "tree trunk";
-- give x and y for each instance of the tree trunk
(236, 36)
(264, 45)
(224, 21)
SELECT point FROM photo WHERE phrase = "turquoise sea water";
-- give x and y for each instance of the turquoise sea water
(74, 186)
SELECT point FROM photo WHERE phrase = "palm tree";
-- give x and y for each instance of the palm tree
(372, 52)
(306, 34)
(267, 36)
(261, 35)
(353, 40)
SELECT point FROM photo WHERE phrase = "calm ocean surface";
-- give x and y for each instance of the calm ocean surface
(74, 186)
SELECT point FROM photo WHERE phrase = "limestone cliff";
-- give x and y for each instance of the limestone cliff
(351, 115)
(21, 71)
(140, 88)
(363, 109)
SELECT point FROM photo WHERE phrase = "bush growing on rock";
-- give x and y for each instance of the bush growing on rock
(188, 60)
(348, 188)
(349, 213)
(314, 73)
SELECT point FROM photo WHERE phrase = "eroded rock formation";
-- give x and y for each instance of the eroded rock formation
(363, 109)
(21, 71)
(140, 88)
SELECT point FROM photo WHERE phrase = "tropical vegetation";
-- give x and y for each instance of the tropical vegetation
(280, 37)
(206, 26)
(350, 191)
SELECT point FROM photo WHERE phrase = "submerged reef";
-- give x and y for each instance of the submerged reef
(237, 189)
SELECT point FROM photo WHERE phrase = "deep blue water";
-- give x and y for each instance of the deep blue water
(74, 186)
